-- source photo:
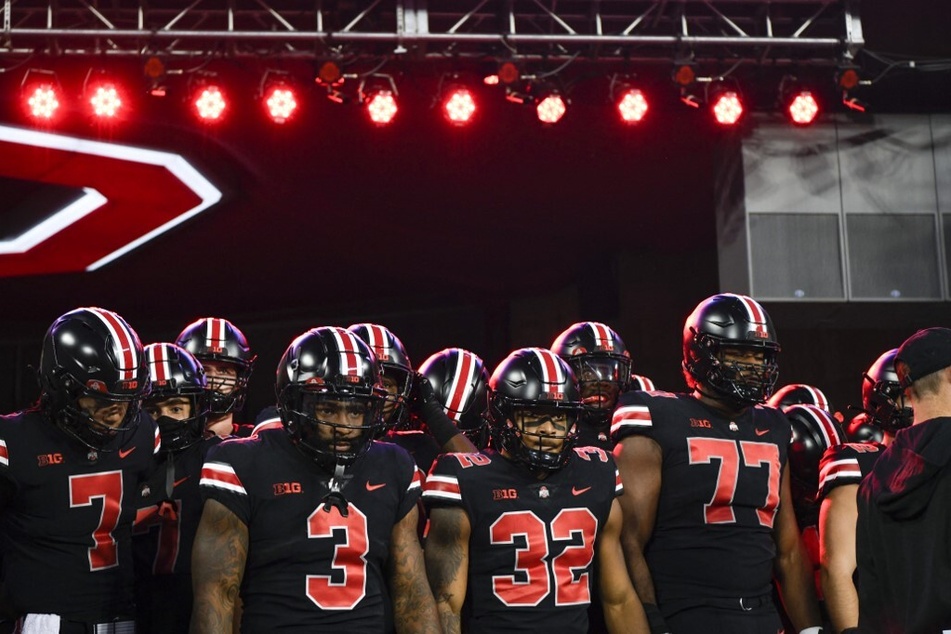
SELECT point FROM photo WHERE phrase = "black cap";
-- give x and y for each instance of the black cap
(923, 353)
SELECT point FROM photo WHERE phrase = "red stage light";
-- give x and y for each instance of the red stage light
(381, 107)
(551, 109)
(727, 108)
(459, 106)
(280, 103)
(632, 105)
(803, 108)
(210, 103)
(43, 101)
(105, 101)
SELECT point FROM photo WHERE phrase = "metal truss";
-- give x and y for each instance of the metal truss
(800, 31)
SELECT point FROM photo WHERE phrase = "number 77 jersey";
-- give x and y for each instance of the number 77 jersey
(532, 542)
(720, 490)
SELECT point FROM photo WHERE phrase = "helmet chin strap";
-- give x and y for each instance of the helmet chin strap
(334, 497)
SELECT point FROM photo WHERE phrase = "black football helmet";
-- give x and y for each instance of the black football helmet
(640, 383)
(176, 373)
(92, 353)
(862, 429)
(541, 382)
(799, 394)
(813, 431)
(730, 321)
(396, 365)
(330, 367)
(882, 395)
(218, 340)
(601, 363)
(459, 379)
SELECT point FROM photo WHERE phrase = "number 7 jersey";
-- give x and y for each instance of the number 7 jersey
(532, 542)
(720, 489)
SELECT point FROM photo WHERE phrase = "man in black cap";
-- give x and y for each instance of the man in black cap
(903, 539)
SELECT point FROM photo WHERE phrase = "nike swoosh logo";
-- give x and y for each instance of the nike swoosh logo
(177, 482)
(374, 487)
(761, 432)
(575, 491)
(125, 452)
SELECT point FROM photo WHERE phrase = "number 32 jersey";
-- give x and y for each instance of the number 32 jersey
(311, 569)
(532, 542)
(720, 489)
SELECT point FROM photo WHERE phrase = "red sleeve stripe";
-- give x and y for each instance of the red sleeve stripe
(222, 476)
(417, 481)
(631, 416)
(442, 488)
(157, 445)
(4, 454)
(847, 467)
(618, 485)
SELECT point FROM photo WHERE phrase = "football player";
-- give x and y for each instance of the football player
(841, 471)
(459, 380)
(315, 526)
(67, 468)
(799, 394)
(169, 503)
(602, 364)
(708, 512)
(228, 362)
(517, 536)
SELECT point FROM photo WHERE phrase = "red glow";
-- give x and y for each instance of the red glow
(280, 103)
(210, 103)
(105, 101)
(459, 106)
(632, 105)
(803, 108)
(551, 109)
(727, 109)
(381, 107)
(43, 102)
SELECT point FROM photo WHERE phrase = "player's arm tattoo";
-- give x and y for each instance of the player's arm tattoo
(447, 563)
(414, 609)
(218, 558)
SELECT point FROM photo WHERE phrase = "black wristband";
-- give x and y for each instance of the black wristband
(655, 620)
(439, 424)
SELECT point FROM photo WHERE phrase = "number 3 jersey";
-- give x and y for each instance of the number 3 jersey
(720, 489)
(66, 521)
(309, 568)
(532, 542)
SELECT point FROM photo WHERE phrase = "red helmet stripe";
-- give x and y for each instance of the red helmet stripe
(818, 397)
(552, 374)
(123, 340)
(378, 341)
(825, 425)
(348, 347)
(755, 313)
(646, 384)
(461, 387)
(215, 333)
(602, 335)
(160, 363)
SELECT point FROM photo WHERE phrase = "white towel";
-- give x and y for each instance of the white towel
(40, 624)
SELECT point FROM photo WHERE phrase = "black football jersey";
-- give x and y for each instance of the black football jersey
(532, 542)
(66, 531)
(720, 491)
(846, 464)
(164, 531)
(419, 444)
(594, 431)
(309, 568)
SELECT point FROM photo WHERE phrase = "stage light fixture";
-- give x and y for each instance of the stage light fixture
(154, 70)
(41, 94)
(378, 95)
(631, 102)
(725, 103)
(551, 107)
(798, 101)
(207, 98)
(278, 96)
(329, 73)
(458, 104)
(103, 95)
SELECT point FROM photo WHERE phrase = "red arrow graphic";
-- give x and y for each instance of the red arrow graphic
(131, 196)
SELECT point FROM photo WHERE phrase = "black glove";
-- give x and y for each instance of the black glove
(428, 409)
(655, 620)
